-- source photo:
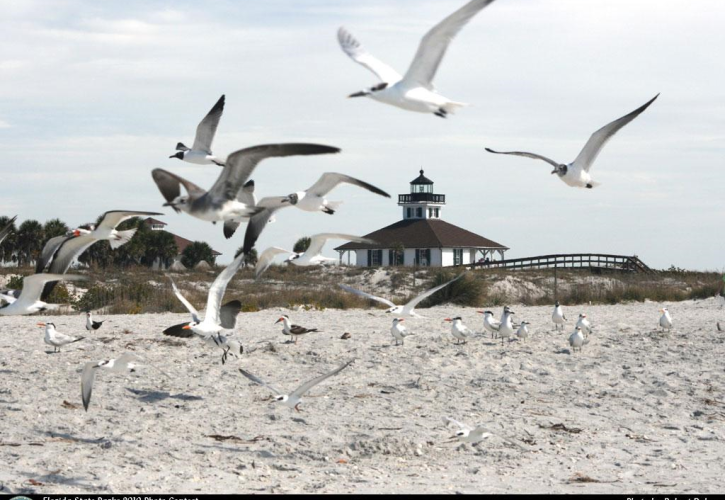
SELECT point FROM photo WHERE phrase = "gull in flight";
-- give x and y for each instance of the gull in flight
(523, 331)
(293, 400)
(577, 340)
(52, 245)
(407, 309)
(126, 362)
(473, 435)
(83, 237)
(90, 324)
(293, 330)
(7, 229)
(399, 332)
(29, 300)
(56, 339)
(217, 318)
(310, 257)
(459, 330)
(584, 324)
(414, 91)
(490, 324)
(228, 200)
(665, 319)
(200, 152)
(576, 173)
(313, 199)
(558, 316)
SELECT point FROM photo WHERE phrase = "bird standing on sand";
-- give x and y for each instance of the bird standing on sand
(576, 173)
(56, 339)
(200, 152)
(293, 330)
(295, 398)
(577, 340)
(584, 324)
(523, 331)
(399, 332)
(90, 324)
(414, 91)
(665, 319)
(473, 435)
(558, 316)
(490, 324)
(459, 331)
(506, 329)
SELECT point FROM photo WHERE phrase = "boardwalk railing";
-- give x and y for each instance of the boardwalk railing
(591, 261)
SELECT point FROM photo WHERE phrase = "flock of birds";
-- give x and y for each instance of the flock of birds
(231, 200)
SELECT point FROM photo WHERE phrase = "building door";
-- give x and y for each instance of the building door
(422, 257)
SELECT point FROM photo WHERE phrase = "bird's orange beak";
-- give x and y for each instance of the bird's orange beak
(186, 327)
(480, 312)
(280, 319)
(401, 320)
(76, 233)
(41, 324)
(448, 319)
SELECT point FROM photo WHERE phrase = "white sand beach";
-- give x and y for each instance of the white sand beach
(636, 411)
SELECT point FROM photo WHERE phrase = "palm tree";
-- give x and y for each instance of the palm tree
(196, 252)
(53, 228)
(250, 260)
(160, 245)
(29, 241)
(301, 245)
(8, 246)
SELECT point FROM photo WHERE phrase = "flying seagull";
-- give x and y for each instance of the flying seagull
(310, 257)
(126, 362)
(84, 237)
(227, 200)
(200, 153)
(576, 173)
(293, 400)
(56, 339)
(414, 91)
(294, 330)
(217, 317)
(29, 300)
(6, 230)
(404, 310)
(312, 199)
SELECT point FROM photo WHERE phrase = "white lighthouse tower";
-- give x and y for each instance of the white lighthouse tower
(422, 202)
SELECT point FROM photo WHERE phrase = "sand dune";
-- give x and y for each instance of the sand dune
(636, 411)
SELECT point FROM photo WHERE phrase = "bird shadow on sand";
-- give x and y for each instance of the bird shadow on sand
(57, 478)
(62, 436)
(156, 396)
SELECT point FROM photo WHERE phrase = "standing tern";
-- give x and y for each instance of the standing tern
(90, 324)
(293, 330)
(576, 173)
(577, 340)
(293, 400)
(584, 324)
(56, 339)
(217, 318)
(507, 329)
(490, 324)
(126, 362)
(523, 331)
(226, 200)
(312, 199)
(558, 316)
(29, 300)
(473, 435)
(7, 229)
(200, 152)
(407, 309)
(414, 91)
(399, 332)
(310, 257)
(459, 331)
(665, 319)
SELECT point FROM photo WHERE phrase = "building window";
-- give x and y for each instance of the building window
(422, 257)
(419, 212)
(438, 213)
(430, 213)
(396, 258)
(375, 258)
(409, 211)
(457, 256)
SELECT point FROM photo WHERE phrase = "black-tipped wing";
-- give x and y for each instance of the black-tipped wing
(241, 164)
(113, 218)
(525, 154)
(259, 381)
(228, 314)
(178, 331)
(259, 221)
(87, 378)
(170, 185)
(206, 129)
(599, 138)
(311, 383)
(329, 180)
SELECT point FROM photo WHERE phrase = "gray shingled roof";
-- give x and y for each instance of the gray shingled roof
(423, 233)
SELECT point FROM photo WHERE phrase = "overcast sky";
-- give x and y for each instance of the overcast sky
(94, 95)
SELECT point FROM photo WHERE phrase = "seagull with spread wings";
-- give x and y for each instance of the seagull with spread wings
(576, 173)
(414, 91)
(29, 301)
(404, 310)
(231, 198)
(293, 399)
(200, 152)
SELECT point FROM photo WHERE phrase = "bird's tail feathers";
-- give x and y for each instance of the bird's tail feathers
(122, 237)
(453, 106)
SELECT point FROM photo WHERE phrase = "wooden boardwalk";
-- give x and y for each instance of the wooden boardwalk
(596, 262)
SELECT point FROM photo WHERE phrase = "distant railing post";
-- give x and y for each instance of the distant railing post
(556, 284)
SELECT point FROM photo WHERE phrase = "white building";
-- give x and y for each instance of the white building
(422, 238)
